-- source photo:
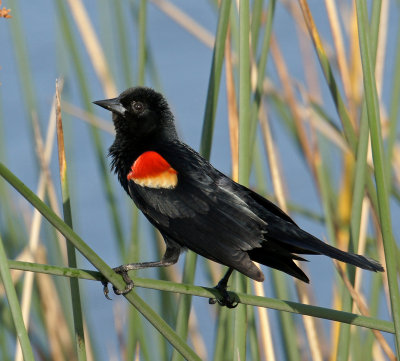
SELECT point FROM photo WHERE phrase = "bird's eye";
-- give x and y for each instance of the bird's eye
(137, 106)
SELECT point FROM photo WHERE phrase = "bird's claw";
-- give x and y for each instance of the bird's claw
(128, 287)
(106, 290)
(225, 299)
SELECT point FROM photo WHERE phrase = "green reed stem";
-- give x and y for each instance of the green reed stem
(371, 97)
(96, 261)
(168, 286)
(74, 284)
(15, 307)
(215, 79)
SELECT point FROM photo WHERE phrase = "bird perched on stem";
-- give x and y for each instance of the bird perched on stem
(195, 206)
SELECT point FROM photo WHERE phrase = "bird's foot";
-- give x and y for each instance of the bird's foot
(226, 299)
(123, 271)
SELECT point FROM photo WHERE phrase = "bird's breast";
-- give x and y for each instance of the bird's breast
(153, 171)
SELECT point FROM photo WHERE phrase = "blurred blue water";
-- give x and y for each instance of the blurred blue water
(183, 64)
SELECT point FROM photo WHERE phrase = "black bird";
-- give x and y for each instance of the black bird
(197, 207)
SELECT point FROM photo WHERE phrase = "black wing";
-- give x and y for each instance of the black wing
(200, 213)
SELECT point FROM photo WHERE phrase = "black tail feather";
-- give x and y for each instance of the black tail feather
(352, 258)
(299, 241)
(280, 255)
(280, 261)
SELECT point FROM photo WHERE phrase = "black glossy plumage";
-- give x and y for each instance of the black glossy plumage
(207, 212)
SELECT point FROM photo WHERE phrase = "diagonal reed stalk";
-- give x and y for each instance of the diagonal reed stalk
(96, 261)
(188, 23)
(328, 73)
(15, 308)
(93, 46)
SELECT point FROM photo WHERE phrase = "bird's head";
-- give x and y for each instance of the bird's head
(140, 113)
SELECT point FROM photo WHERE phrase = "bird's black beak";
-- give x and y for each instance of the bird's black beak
(114, 105)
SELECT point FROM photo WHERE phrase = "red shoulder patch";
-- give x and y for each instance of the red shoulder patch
(152, 170)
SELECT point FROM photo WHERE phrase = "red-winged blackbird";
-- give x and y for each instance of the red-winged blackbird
(197, 207)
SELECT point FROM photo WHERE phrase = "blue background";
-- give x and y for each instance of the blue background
(184, 65)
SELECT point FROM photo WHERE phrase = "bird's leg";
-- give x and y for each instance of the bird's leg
(170, 257)
(222, 286)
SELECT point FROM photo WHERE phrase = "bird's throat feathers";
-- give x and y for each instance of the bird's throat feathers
(151, 170)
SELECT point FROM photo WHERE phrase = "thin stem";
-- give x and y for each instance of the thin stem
(75, 292)
(97, 262)
(15, 307)
(168, 286)
(372, 102)
(215, 79)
